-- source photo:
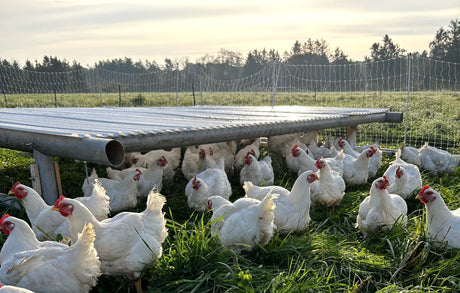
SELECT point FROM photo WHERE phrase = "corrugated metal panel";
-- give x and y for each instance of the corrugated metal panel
(119, 122)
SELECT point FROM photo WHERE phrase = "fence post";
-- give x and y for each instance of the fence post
(4, 96)
(408, 92)
(119, 95)
(55, 98)
(177, 82)
(274, 82)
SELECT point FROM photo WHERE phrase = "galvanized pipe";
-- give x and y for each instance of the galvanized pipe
(90, 149)
(185, 137)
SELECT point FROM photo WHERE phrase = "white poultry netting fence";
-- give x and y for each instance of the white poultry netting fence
(432, 102)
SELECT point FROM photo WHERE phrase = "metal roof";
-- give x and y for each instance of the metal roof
(146, 128)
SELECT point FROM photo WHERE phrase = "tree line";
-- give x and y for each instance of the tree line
(230, 65)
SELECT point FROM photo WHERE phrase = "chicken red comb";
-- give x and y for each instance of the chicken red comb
(385, 178)
(296, 146)
(194, 180)
(399, 168)
(15, 184)
(373, 149)
(139, 172)
(3, 218)
(59, 200)
(317, 161)
(423, 189)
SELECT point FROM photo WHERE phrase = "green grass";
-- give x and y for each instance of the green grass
(331, 256)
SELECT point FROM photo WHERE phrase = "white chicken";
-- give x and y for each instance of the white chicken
(258, 172)
(123, 194)
(380, 209)
(404, 177)
(436, 160)
(13, 289)
(292, 211)
(298, 161)
(347, 149)
(173, 158)
(152, 177)
(410, 154)
(125, 243)
(240, 156)
(329, 189)
(21, 237)
(320, 151)
(212, 181)
(72, 268)
(87, 186)
(45, 224)
(228, 153)
(356, 170)
(292, 160)
(443, 224)
(195, 161)
(243, 224)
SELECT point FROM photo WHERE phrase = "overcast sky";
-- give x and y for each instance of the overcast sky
(91, 30)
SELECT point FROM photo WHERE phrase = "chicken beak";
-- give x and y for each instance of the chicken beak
(56, 209)
(11, 192)
(419, 196)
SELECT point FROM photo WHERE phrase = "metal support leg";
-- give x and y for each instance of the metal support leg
(47, 176)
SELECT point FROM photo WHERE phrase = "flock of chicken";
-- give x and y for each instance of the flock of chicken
(124, 243)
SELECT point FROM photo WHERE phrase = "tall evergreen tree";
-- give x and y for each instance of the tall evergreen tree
(446, 43)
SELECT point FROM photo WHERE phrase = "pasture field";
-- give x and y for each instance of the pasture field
(330, 257)
(434, 116)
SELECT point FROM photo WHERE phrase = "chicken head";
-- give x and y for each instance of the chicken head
(399, 172)
(382, 182)
(62, 207)
(426, 195)
(312, 177)
(18, 190)
(196, 183)
(6, 225)
(295, 151)
(162, 161)
(320, 163)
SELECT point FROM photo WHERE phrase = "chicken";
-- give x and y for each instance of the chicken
(319, 151)
(292, 160)
(173, 158)
(292, 211)
(443, 224)
(404, 177)
(243, 224)
(258, 172)
(240, 156)
(380, 208)
(151, 177)
(330, 188)
(97, 202)
(436, 160)
(212, 181)
(345, 145)
(375, 161)
(74, 268)
(298, 161)
(13, 289)
(228, 153)
(410, 155)
(356, 170)
(45, 224)
(125, 243)
(21, 237)
(195, 161)
(87, 186)
(123, 194)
